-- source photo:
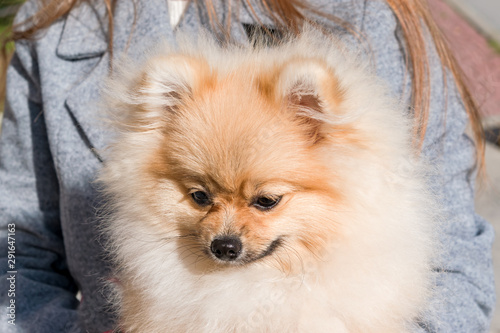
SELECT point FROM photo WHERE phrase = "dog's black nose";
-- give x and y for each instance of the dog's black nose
(226, 248)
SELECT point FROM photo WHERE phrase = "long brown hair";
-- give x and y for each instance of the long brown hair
(290, 15)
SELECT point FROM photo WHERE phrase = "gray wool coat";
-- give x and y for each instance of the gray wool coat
(50, 147)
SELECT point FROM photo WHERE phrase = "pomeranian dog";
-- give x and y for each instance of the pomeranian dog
(264, 189)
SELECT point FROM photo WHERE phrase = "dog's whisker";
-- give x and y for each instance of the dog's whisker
(200, 259)
(186, 248)
(308, 246)
(297, 254)
(280, 262)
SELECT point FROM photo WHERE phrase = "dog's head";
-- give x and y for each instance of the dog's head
(236, 162)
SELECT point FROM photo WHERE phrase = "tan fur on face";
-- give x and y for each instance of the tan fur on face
(317, 131)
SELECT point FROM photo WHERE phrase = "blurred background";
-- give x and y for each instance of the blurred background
(8, 9)
(472, 28)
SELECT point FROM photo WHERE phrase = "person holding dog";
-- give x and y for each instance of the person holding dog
(50, 146)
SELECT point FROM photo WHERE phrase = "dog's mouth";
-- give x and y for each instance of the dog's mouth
(269, 250)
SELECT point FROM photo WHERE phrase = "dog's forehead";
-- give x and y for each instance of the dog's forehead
(232, 135)
(234, 176)
(235, 167)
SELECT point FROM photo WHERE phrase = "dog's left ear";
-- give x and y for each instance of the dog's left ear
(310, 90)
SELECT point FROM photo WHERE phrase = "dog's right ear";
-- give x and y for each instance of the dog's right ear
(166, 84)
(310, 92)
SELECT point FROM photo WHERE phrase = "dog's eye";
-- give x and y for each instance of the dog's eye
(201, 198)
(266, 203)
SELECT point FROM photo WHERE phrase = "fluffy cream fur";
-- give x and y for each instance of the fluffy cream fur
(305, 121)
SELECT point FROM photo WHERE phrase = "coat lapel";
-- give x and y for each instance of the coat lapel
(83, 35)
(82, 104)
(84, 39)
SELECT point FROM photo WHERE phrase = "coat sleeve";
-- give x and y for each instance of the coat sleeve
(464, 298)
(36, 290)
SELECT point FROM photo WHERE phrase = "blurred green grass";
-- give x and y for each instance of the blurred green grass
(494, 45)
(7, 11)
